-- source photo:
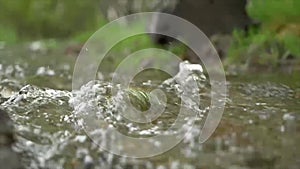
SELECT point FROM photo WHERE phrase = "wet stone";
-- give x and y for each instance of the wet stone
(8, 157)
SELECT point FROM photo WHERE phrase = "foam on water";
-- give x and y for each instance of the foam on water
(259, 122)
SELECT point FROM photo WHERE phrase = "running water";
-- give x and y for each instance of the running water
(259, 127)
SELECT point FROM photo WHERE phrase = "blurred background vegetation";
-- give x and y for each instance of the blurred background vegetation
(276, 39)
(34, 19)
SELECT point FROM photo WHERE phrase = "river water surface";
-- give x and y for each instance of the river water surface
(259, 128)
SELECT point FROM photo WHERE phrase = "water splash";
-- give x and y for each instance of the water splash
(49, 135)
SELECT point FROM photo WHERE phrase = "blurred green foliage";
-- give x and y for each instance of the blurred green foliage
(8, 34)
(127, 46)
(76, 20)
(37, 19)
(254, 48)
(275, 11)
(277, 37)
